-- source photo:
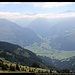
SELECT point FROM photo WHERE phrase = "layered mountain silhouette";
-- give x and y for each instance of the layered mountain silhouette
(59, 34)
(13, 33)
(15, 53)
(60, 31)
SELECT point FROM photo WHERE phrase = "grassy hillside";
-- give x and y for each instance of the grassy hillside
(25, 69)
(9, 67)
(15, 53)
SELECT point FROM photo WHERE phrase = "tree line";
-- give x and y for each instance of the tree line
(18, 67)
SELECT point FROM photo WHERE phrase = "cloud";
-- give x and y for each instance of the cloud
(2, 4)
(14, 15)
(41, 4)
(50, 4)
(11, 15)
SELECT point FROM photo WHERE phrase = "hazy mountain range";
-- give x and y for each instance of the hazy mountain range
(13, 33)
(53, 38)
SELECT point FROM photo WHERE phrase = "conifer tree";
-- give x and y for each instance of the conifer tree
(17, 66)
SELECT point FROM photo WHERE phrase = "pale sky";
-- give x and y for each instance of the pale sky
(37, 9)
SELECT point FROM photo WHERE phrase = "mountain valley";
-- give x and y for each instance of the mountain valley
(51, 41)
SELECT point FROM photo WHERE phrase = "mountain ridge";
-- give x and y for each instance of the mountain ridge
(15, 53)
(13, 33)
